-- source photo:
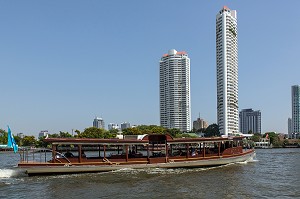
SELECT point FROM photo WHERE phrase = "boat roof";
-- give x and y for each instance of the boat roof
(142, 140)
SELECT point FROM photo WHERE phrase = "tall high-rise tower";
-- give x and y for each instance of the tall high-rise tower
(98, 123)
(295, 111)
(250, 121)
(227, 71)
(174, 91)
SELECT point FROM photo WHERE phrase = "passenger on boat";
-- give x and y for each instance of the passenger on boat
(133, 150)
(58, 156)
(68, 154)
(195, 152)
(178, 153)
(83, 154)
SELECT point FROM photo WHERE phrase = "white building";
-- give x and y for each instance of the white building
(113, 126)
(295, 112)
(43, 133)
(227, 71)
(174, 90)
(98, 123)
(264, 143)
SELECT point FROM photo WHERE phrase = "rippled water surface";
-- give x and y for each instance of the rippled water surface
(274, 174)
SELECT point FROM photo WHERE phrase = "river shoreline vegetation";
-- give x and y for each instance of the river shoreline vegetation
(212, 130)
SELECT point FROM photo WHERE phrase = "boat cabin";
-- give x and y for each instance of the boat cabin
(147, 149)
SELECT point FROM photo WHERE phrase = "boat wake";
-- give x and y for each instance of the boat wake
(162, 171)
(127, 170)
(11, 173)
(251, 160)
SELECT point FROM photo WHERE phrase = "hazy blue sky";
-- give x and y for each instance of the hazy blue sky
(64, 62)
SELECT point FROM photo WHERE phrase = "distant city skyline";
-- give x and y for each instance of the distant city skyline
(63, 63)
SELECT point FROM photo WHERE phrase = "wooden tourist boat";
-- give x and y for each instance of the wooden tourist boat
(139, 152)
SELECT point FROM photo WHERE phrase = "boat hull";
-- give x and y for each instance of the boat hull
(172, 163)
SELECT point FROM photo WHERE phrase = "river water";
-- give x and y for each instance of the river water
(275, 173)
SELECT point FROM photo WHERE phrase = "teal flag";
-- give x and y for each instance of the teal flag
(11, 141)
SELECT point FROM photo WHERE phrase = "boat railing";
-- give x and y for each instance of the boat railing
(41, 155)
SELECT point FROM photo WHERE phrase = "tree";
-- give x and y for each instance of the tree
(29, 141)
(3, 136)
(64, 134)
(285, 142)
(113, 131)
(41, 142)
(212, 130)
(78, 133)
(256, 137)
(92, 132)
(54, 135)
(18, 140)
(274, 139)
(158, 130)
(173, 132)
(132, 131)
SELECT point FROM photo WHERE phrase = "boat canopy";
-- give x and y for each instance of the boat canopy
(146, 139)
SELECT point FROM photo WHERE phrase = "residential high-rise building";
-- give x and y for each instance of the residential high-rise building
(199, 124)
(43, 133)
(174, 90)
(98, 123)
(113, 126)
(295, 111)
(125, 125)
(227, 71)
(290, 127)
(250, 121)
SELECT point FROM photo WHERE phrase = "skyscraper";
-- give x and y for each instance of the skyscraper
(227, 71)
(290, 127)
(250, 121)
(113, 126)
(295, 111)
(199, 124)
(174, 90)
(98, 123)
(125, 125)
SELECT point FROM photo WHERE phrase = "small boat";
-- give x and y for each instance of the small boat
(147, 151)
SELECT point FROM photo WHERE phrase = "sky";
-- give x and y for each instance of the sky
(64, 62)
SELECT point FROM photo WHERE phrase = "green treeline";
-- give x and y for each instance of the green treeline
(93, 132)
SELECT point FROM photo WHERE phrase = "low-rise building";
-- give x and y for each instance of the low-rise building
(264, 143)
